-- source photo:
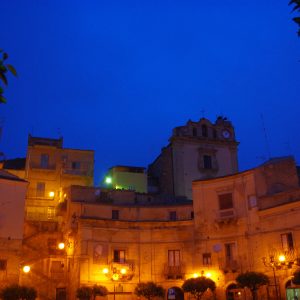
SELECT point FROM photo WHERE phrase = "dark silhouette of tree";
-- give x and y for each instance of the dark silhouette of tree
(296, 7)
(253, 281)
(4, 68)
(84, 293)
(296, 278)
(99, 290)
(17, 292)
(149, 290)
(198, 286)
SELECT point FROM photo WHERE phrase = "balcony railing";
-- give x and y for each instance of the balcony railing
(174, 272)
(226, 215)
(49, 167)
(230, 265)
(77, 172)
(41, 194)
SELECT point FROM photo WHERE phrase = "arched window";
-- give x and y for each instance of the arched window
(204, 130)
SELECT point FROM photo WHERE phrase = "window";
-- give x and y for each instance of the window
(44, 161)
(174, 258)
(3, 264)
(75, 165)
(115, 214)
(204, 130)
(50, 213)
(194, 131)
(230, 252)
(172, 215)
(215, 134)
(207, 162)
(206, 259)
(225, 201)
(40, 189)
(287, 241)
(119, 256)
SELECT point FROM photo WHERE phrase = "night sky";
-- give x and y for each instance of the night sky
(117, 76)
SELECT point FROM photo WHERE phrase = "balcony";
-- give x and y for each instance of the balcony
(226, 215)
(174, 272)
(75, 172)
(39, 166)
(41, 194)
(39, 216)
(229, 265)
(120, 271)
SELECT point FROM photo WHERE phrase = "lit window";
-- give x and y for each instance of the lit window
(115, 214)
(174, 258)
(207, 162)
(287, 241)
(206, 259)
(225, 201)
(119, 256)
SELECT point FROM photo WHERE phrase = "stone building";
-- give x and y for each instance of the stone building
(250, 222)
(242, 222)
(196, 150)
(12, 208)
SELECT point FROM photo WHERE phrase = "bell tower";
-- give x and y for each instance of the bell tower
(197, 150)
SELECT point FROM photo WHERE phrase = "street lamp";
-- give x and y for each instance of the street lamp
(271, 263)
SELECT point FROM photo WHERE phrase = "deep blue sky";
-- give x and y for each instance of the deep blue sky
(117, 76)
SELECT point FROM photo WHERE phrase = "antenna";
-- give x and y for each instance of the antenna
(266, 136)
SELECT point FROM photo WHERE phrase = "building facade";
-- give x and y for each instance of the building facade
(197, 150)
(12, 208)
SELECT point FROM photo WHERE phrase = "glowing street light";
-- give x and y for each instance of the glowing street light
(105, 271)
(108, 180)
(51, 194)
(26, 269)
(61, 246)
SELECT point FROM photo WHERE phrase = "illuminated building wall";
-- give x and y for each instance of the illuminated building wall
(12, 204)
(197, 150)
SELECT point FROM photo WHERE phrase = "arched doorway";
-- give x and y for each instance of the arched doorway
(233, 292)
(175, 293)
(292, 291)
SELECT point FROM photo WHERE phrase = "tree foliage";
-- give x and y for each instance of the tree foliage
(198, 286)
(4, 69)
(253, 281)
(296, 278)
(296, 7)
(149, 290)
(17, 292)
(86, 292)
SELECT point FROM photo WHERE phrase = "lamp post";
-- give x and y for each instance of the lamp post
(271, 262)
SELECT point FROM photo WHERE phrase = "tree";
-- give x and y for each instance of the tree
(99, 290)
(296, 278)
(149, 290)
(4, 68)
(84, 293)
(296, 4)
(16, 292)
(198, 286)
(253, 281)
